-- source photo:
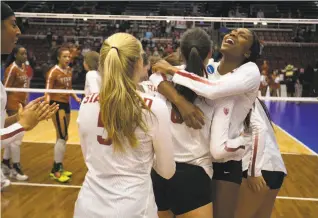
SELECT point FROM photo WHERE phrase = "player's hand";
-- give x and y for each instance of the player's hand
(48, 112)
(35, 101)
(78, 100)
(28, 118)
(256, 183)
(163, 66)
(191, 114)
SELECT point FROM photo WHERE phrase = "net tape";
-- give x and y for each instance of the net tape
(166, 18)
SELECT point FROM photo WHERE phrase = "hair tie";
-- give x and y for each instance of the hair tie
(115, 48)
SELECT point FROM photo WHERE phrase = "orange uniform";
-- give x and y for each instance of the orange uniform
(16, 77)
(57, 78)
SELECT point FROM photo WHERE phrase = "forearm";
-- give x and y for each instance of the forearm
(74, 96)
(11, 120)
(168, 90)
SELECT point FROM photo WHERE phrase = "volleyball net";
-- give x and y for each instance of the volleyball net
(276, 34)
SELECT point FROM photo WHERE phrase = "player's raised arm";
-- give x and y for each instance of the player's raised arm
(242, 80)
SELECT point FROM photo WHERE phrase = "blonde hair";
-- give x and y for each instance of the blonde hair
(91, 58)
(120, 104)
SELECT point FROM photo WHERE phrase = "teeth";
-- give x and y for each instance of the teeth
(230, 41)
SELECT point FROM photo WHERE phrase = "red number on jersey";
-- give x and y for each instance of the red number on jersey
(175, 117)
(148, 102)
(100, 139)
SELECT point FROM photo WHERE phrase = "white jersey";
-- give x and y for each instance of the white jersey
(92, 82)
(227, 143)
(190, 146)
(12, 133)
(149, 88)
(119, 184)
(239, 87)
(264, 153)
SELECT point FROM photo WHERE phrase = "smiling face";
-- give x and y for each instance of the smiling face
(237, 43)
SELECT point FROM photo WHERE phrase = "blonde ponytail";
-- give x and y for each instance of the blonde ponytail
(120, 105)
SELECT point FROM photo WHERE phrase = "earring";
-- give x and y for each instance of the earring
(247, 55)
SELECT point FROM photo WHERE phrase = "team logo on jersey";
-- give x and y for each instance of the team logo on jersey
(226, 111)
(210, 69)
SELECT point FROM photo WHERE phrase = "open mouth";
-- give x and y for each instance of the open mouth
(229, 41)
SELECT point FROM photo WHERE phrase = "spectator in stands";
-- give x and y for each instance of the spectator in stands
(314, 84)
(49, 37)
(148, 34)
(168, 49)
(217, 55)
(299, 14)
(298, 84)
(260, 13)
(307, 79)
(289, 15)
(155, 52)
(277, 13)
(290, 79)
(308, 34)
(299, 35)
(231, 13)
(237, 12)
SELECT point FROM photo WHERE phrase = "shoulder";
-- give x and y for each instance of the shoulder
(156, 105)
(92, 74)
(11, 68)
(249, 67)
(53, 70)
(212, 66)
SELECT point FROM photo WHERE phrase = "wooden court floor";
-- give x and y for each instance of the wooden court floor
(41, 197)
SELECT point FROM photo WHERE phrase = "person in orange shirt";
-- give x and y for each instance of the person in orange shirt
(15, 77)
(60, 77)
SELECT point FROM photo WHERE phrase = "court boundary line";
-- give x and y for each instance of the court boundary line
(79, 186)
(298, 141)
(47, 142)
(45, 185)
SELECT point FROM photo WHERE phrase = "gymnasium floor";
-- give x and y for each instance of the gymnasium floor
(41, 197)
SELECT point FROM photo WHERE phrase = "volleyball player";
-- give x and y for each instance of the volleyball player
(239, 76)
(145, 85)
(93, 78)
(188, 192)
(263, 168)
(60, 77)
(121, 130)
(15, 77)
(12, 128)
